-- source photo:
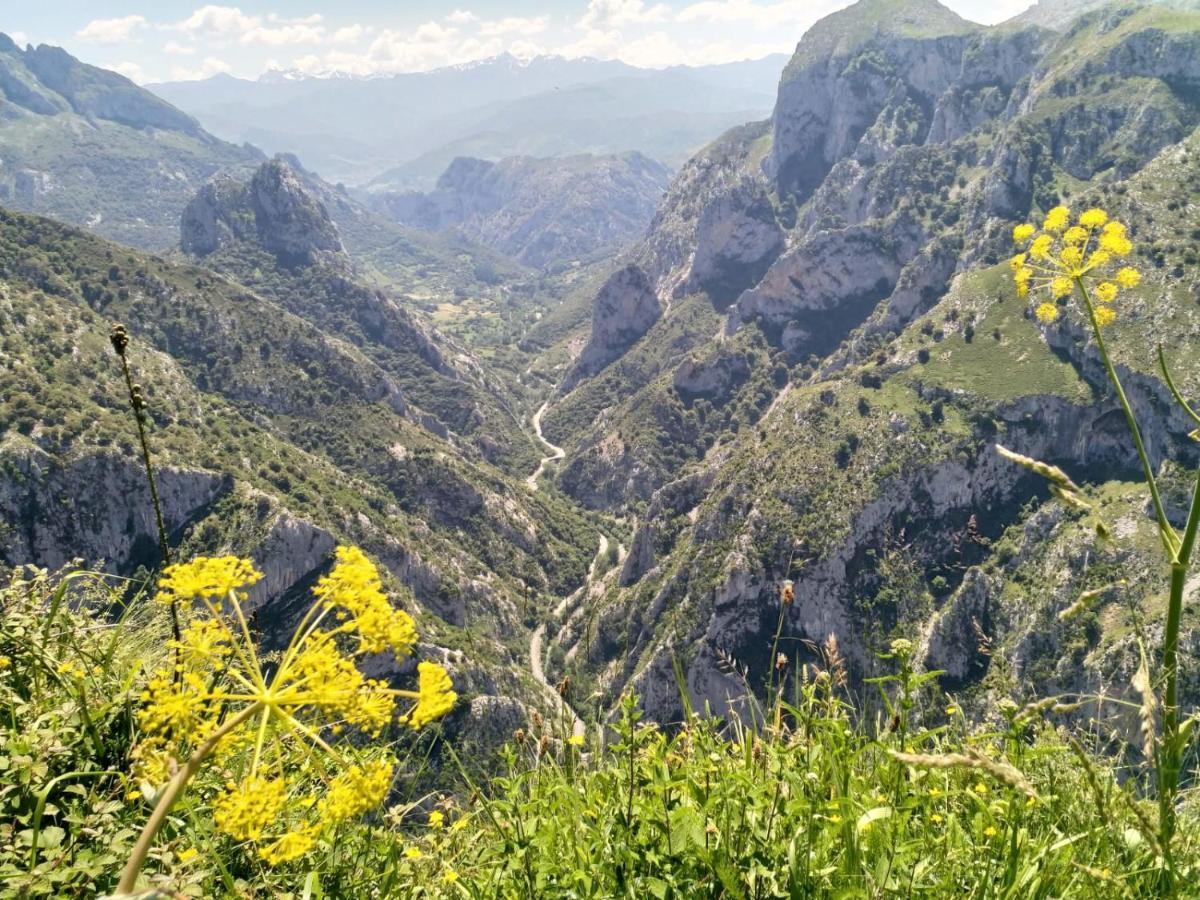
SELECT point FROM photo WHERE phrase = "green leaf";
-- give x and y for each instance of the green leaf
(871, 816)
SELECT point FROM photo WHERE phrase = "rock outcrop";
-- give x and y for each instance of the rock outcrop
(273, 210)
(622, 313)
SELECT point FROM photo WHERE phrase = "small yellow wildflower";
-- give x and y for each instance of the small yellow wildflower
(952, 710)
(436, 695)
(981, 788)
(990, 831)
(936, 819)
(188, 854)
(437, 819)
(413, 853)
(1064, 256)
(449, 876)
(835, 819)
(935, 792)
(575, 740)
(1022, 233)
(1057, 219)
(245, 810)
(206, 578)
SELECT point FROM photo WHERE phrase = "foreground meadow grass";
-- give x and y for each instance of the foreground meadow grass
(814, 801)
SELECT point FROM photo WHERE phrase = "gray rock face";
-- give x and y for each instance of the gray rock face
(814, 294)
(538, 211)
(737, 239)
(96, 508)
(274, 210)
(624, 310)
(952, 644)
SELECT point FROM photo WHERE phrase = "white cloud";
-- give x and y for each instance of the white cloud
(174, 48)
(526, 27)
(132, 71)
(797, 15)
(211, 66)
(110, 31)
(348, 34)
(20, 38)
(596, 42)
(281, 35)
(602, 14)
(219, 20)
(462, 17)
(526, 49)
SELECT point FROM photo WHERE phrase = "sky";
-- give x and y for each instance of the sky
(161, 40)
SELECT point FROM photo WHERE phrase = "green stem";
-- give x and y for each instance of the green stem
(1169, 537)
(164, 546)
(1172, 753)
(168, 797)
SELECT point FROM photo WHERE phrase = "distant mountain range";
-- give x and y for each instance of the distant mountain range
(408, 128)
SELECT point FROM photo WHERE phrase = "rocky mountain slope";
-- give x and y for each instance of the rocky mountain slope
(275, 235)
(537, 211)
(836, 354)
(282, 423)
(89, 146)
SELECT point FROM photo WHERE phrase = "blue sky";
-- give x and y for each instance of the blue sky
(183, 39)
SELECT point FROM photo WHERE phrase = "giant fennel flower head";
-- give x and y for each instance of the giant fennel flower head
(1063, 256)
(277, 731)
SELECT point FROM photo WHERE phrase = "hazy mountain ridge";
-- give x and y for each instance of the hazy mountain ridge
(355, 129)
(538, 211)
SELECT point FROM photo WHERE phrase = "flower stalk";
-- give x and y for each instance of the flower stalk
(1065, 259)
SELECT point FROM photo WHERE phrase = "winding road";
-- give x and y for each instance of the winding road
(538, 639)
(556, 452)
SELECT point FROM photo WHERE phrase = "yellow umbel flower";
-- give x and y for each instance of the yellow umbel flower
(290, 846)
(1057, 219)
(244, 811)
(1046, 313)
(206, 578)
(216, 706)
(356, 790)
(355, 590)
(1065, 256)
(436, 697)
(1129, 278)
